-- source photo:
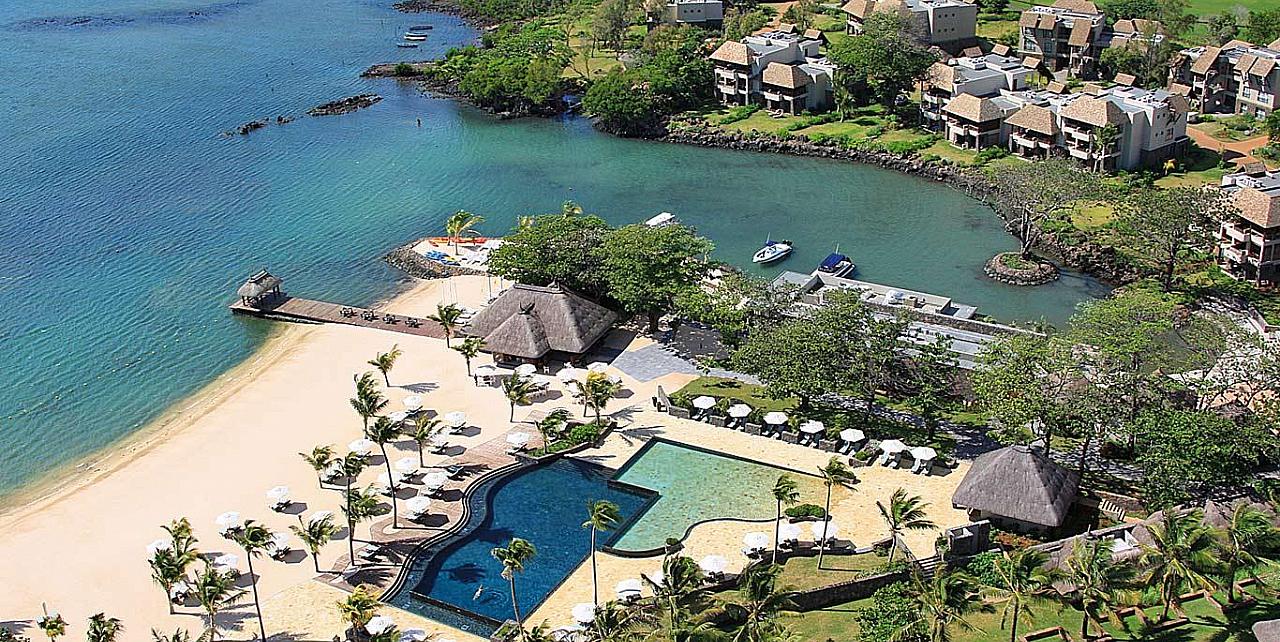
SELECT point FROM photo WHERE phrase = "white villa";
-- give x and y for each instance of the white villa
(984, 75)
(949, 24)
(1238, 77)
(780, 70)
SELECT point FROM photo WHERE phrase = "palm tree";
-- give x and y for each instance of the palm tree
(835, 472)
(52, 624)
(763, 602)
(1020, 578)
(513, 557)
(425, 429)
(368, 401)
(551, 425)
(320, 458)
(315, 533)
(359, 607)
(459, 223)
(166, 571)
(383, 432)
(360, 506)
(944, 601)
(449, 317)
(1245, 542)
(215, 591)
(103, 628)
(1101, 141)
(595, 390)
(254, 538)
(178, 635)
(184, 542)
(518, 391)
(1099, 582)
(602, 515)
(785, 491)
(682, 581)
(903, 514)
(1181, 554)
(616, 623)
(469, 349)
(385, 361)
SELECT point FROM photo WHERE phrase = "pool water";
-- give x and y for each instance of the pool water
(694, 485)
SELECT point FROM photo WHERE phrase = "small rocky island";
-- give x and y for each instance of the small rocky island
(344, 105)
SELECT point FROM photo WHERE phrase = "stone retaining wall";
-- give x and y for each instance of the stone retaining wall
(406, 260)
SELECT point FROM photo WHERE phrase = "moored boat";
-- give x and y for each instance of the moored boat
(772, 251)
(421, 28)
(662, 220)
(837, 264)
(415, 36)
(407, 45)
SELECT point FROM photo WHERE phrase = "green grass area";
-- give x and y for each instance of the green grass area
(1199, 167)
(1092, 217)
(838, 622)
(760, 121)
(752, 395)
(997, 29)
(946, 151)
(802, 573)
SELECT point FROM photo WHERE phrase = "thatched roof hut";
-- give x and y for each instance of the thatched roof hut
(530, 321)
(1018, 484)
(258, 286)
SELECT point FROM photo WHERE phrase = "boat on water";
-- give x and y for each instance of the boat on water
(407, 45)
(837, 264)
(662, 220)
(772, 251)
(415, 36)
(421, 28)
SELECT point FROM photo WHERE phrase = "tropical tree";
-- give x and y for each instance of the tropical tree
(449, 318)
(103, 628)
(1035, 193)
(682, 582)
(944, 601)
(785, 491)
(368, 401)
(254, 538)
(385, 361)
(459, 224)
(602, 515)
(1169, 227)
(315, 533)
(930, 376)
(1181, 554)
(166, 571)
(763, 602)
(360, 506)
(1019, 578)
(835, 472)
(469, 349)
(183, 540)
(1100, 584)
(178, 635)
(613, 622)
(383, 432)
(646, 268)
(320, 458)
(904, 513)
(518, 390)
(595, 390)
(513, 557)
(51, 624)
(359, 607)
(425, 429)
(1101, 141)
(551, 425)
(215, 591)
(1245, 542)
(553, 248)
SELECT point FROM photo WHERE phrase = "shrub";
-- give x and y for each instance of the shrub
(739, 113)
(892, 616)
(866, 454)
(802, 511)
(989, 154)
(983, 567)
(585, 433)
(405, 69)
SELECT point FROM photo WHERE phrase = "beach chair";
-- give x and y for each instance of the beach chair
(369, 552)
(438, 448)
(883, 459)
(454, 471)
(280, 506)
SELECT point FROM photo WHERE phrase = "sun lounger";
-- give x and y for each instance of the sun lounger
(454, 472)
(882, 460)
(439, 448)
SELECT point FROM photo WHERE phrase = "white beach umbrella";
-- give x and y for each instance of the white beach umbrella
(407, 465)
(739, 410)
(584, 613)
(456, 418)
(434, 480)
(398, 416)
(526, 369)
(923, 453)
(657, 576)
(385, 480)
(755, 540)
(788, 532)
(812, 427)
(278, 494)
(226, 562)
(775, 418)
(378, 624)
(627, 588)
(892, 446)
(319, 515)
(704, 402)
(852, 435)
(361, 446)
(615, 378)
(159, 545)
(518, 438)
(568, 373)
(413, 635)
(229, 520)
(713, 564)
(179, 588)
(598, 366)
(413, 403)
(825, 530)
(418, 505)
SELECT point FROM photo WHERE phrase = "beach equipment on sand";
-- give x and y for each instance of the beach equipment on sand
(414, 635)
(598, 366)
(812, 427)
(407, 465)
(519, 439)
(362, 446)
(526, 370)
(755, 541)
(568, 373)
(775, 418)
(398, 416)
(615, 378)
(704, 402)
(657, 576)
(852, 435)
(924, 457)
(418, 506)
(457, 419)
(159, 545)
(713, 564)
(413, 403)
(379, 624)
(434, 480)
(180, 590)
(319, 515)
(823, 531)
(227, 563)
(278, 495)
(228, 521)
(628, 589)
(739, 410)
(788, 532)
(892, 446)
(584, 613)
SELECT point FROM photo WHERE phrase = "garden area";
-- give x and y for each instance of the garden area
(865, 128)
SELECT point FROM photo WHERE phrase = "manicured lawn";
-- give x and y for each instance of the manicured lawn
(803, 573)
(849, 128)
(760, 121)
(1199, 167)
(838, 623)
(751, 395)
(1091, 217)
(995, 29)
(947, 151)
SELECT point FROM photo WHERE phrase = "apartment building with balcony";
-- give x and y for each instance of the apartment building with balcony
(948, 24)
(1149, 127)
(1067, 35)
(778, 70)
(1236, 78)
(984, 75)
(1249, 242)
(977, 122)
(1137, 32)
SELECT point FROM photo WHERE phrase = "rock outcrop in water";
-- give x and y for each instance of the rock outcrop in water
(344, 105)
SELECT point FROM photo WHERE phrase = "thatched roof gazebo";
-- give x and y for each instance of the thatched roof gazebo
(1018, 486)
(260, 286)
(530, 322)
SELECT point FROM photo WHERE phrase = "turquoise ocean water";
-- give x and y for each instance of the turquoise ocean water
(126, 219)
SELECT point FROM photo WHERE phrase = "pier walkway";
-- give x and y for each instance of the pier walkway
(288, 308)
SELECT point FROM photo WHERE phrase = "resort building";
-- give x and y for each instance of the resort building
(949, 24)
(1067, 35)
(530, 323)
(1248, 241)
(1017, 487)
(1137, 32)
(781, 71)
(975, 122)
(706, 13)
(1238, 77)
(984, 75)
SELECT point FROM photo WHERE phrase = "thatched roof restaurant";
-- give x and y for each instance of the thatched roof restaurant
(262, 285)
(1017, 486)
(530, 322)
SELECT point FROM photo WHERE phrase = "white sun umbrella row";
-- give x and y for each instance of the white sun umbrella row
(363, 447)
(407, 466)
(415, 635)
(319, 515)
(584, 613)
(704, 402)
(526, 370)
(418, 506)
(435, 480)
(775, 418)
(713, 564)
(825, 530)
(568, 374)
(755, 541)
(739, 410)
(852, 435)
(812, 427)
(228, 521)
(413, 403)
(456, 419)
(788, 532)
(278, 497)
(519, 439)
(598, 366)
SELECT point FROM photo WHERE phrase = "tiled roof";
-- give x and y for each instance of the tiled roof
(1179, 89)
(1000, 50)
(1246, 61)
(1125, 79)
(1137, 26)
(942, 76)
(859, 8)
(1035, 118)
(733, 52)
(1027, 19)
(1056, 87)
(1047, 21)
(1081, 31)
(1081, 6)
(787, 76)
(1205, 62)
(1259, 207)
(1262, 68)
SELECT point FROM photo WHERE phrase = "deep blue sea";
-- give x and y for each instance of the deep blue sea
(127, 218)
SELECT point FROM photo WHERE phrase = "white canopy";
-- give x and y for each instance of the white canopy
(518, 438)
(418, 505)
(180, 587)
(812, 427)
(852, 435)
(361, 446)
(456, 418)
(407, 465)
(435, 479)
(657, 576)
(923, 453)
(704, 402)
(159, 545)
(526, 369)
(413, 403)
(628, 588)
(788, 531)
(226, 561)
(278, 494)
(775, 418)
(755, 540)
(228, 521)
(379, 624)
(825, 530)
(413, 635)
(568, 373)
(398, 416)
(615, 378)
(892, 446)
(714, 564)
(584, 613)
(739, 410)
(598, 366)
(486, 370)
(319, 516)
(385, 480)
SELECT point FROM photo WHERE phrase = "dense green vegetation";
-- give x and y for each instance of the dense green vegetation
(516, 70)
(671, 75)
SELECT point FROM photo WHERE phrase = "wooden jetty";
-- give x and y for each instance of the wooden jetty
(261, 296)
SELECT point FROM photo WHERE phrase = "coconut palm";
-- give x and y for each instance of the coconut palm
(469, 349)
(51, 624)
(942, 602)
(833, 473)
(368, 402)
(1099, 583)
(1181, 554)
(383, 432)
(763, 602)
(385, 361)
(320, 458)
(1019, 579)
(360, 506)
(513, 557)
(595, 390)
(903, 514)
(518, 390)
(425, 429)
(183, 540)
(215, 591)
(315, 533)
(460, 223)
(785, 491)
(166, 571)
(551, 425)
(602, 515)
(449, 317)
(682, 583)
(1245, 542)
(614, 622)
(178, 635)
(103, 628)
(254, 538)
(359, 607)
(1101, 141)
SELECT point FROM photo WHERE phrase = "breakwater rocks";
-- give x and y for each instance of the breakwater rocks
(255, 125)
(1038, 273)
(344, 105)
(406, 260)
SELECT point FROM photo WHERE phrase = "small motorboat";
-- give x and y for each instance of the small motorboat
(421, 28)
(415, 36)
(662, 220)
(837, 264)
(407, 45)
(772, 251)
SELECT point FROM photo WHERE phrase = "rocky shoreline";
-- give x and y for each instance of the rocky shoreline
(996, 269)
(345, 105)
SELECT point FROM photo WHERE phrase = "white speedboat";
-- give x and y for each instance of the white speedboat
(772, 251)
(415, 36)
(662, 220)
